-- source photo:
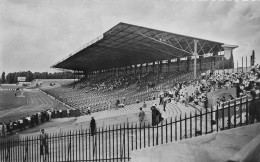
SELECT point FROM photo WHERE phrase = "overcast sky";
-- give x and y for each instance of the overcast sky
(35, 34)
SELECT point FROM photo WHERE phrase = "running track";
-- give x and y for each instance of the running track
(36, 101)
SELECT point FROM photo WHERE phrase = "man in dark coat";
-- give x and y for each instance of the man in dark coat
(93, 126)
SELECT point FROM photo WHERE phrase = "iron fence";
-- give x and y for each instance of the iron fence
(115, 143)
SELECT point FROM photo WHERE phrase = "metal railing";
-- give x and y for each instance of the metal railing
(115, 143)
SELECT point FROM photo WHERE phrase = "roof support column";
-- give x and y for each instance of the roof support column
(178, 64)
(153, 66)
(188, 63)
(135, 70)
(168, 65)
(195, 54)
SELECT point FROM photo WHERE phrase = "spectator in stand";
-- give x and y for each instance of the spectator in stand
(144, 105)
(1, 129)
(89, 111)
(55, 113)
(141, 116)
(11, 127)
(29, 120)
(37, 119)
(20, 121)
(186, 99)
(164, 103)
(49, 114)
(231, 97)
(68, 112)
(161, 99)
(60, 113)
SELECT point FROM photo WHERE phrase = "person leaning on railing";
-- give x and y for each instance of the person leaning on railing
(254, 110)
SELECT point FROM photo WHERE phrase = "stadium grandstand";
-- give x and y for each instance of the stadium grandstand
(130, 63)
(139, 87)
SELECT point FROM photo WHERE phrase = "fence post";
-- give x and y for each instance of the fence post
(206, 118)
(211, 117)
(247, 113)
(235, 105)
(195, 122)
(240, 112)
(166, 131)
(144, 134)
(176, 128)
(157, 134)
(89, 144)
(180, 128)
(99, 140)
(171, 129)
(190, 125)
(161, 132)
(127, 141)
(140, 134)
(117, 141)
(136, 136)
(229, 115)
(86, 137)
(201, 122)
(76, 146)
(185, 126)
(113, 141)
(217, 118)
(223, 117)
(109, 142)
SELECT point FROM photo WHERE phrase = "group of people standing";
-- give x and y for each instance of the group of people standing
(29, 121)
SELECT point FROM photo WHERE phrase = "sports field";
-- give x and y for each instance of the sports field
(8, 100)
(13, 108)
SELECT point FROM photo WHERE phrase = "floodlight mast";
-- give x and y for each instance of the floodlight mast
(195, 53)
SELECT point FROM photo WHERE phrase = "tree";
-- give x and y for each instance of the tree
(3, 77)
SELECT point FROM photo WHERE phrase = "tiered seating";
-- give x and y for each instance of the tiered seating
(102, 99)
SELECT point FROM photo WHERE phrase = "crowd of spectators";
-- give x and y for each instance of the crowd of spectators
(11, 127)
(195, 91)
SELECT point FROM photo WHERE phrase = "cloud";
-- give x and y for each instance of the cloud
(36, 34)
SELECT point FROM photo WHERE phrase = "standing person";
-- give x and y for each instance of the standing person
(11, 127)
(1, 129)
(109, 105)
(144, 105)
(93, 126)
(21, 124)
(161, 100)
(68, 112)
(141, 115)
(43, 144)
(164, 103)
(254, 111)
(60, 112)
(186, 99)
(89, 111)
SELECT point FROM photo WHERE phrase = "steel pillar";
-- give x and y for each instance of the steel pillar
(195, 54)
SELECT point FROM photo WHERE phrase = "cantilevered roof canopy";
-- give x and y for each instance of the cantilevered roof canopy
(127, 44)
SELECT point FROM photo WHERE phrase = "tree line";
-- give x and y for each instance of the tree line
(12, 77)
